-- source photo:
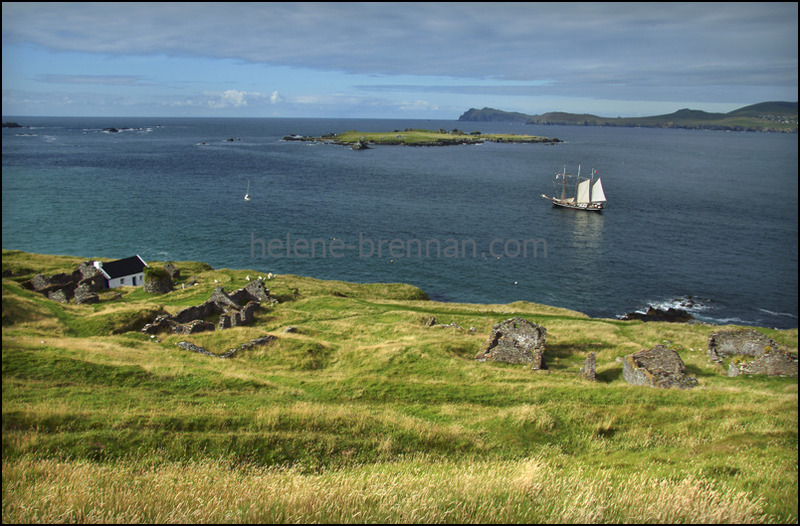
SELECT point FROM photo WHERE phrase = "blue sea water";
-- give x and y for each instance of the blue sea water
(704, 219)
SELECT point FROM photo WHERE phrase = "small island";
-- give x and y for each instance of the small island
(420, 137)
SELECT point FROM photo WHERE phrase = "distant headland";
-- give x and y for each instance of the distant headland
(766, 116)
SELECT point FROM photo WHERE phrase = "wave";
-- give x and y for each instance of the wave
(687, 303)
(785, 314)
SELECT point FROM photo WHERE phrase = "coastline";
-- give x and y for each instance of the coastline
(676, 315)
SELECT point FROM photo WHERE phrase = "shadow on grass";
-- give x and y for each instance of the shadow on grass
(610, 375)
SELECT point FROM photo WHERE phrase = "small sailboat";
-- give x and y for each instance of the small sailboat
(588, 193)
(247, 195)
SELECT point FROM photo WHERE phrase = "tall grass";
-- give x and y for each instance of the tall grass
(546, 488)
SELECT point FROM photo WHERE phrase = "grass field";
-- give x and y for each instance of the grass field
(365, 414)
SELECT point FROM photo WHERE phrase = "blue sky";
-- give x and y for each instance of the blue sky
(394, 60)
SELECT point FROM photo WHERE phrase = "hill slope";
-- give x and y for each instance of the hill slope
(765, 116)
(362, 411)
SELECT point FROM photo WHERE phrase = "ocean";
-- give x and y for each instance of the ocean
(703, 220)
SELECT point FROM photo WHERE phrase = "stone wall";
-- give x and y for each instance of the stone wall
(748, 342)
(658, 367)
(588, 371)
(515, 340)
(753, 353)
(219, 302)
(773, 363)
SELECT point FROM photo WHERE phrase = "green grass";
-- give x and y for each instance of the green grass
(364, 414)
(420, 137)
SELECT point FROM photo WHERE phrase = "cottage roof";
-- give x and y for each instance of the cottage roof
(123, 267)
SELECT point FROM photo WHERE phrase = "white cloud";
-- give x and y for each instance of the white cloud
(418, 105)
(496, 54)
(231, 99)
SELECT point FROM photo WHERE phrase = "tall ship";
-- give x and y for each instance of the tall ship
(578, 193)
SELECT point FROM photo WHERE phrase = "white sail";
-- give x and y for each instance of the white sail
(597, 192)
(583, 191)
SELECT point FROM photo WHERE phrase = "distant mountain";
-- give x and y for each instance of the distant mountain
(765, 116)
(492, 115)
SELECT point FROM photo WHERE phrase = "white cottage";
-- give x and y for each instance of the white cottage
(123, 272)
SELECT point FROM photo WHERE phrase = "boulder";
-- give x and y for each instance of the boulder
(515, 340)
(658, 367)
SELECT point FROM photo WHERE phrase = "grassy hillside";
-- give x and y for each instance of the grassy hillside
(766, 116)
(365, 414)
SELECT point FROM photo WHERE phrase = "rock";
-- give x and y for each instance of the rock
(515, 340)
(748, 342)
(588, 370)
(658, 367)
(654, 314)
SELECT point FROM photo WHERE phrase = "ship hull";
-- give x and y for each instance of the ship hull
(587, 207)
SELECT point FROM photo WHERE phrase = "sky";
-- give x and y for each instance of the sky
(394, 59)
